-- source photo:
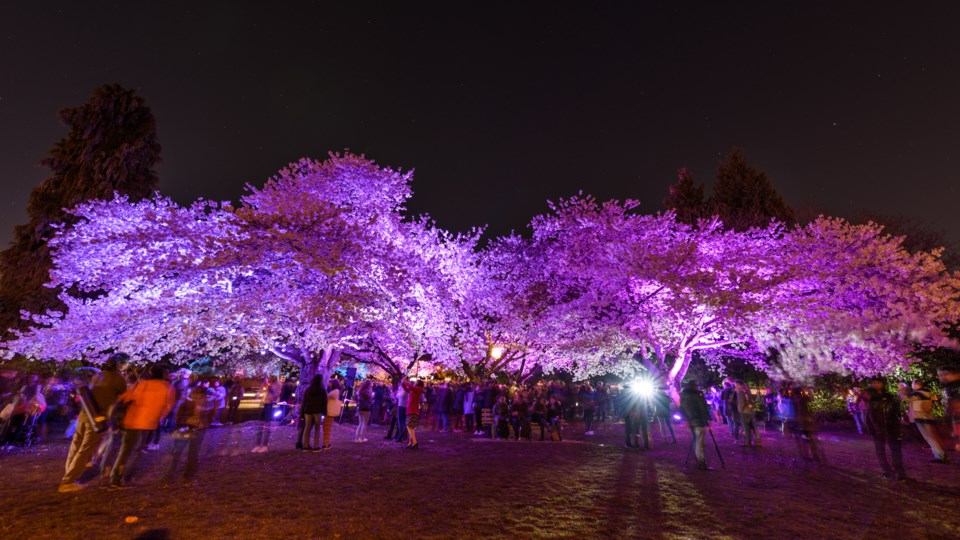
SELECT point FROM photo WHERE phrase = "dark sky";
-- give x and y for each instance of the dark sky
(499, 107)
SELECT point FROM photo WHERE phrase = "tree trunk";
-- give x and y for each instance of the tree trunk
(679, 370)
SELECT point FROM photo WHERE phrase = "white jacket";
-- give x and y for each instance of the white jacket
(333, 403)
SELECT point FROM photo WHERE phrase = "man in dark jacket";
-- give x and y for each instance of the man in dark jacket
(883, 423)
(694, 408)
(105, 387)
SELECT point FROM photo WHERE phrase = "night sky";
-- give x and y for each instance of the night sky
(499, 107)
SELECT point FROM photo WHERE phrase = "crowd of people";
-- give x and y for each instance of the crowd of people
(115, 415)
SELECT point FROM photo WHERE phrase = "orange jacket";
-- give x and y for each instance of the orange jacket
(147, 402)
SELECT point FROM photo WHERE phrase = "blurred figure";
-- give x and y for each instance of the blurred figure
(268, 415)
(146, 403)
(747, 409)
(694, 408)
(334, 408)
(635, 416)
(804, 428)
(661, 411)
(219, 394)
(729, 397)
(539, 415)
(364, 406)
(192, 421)
(501, 415)
(105, 388)
(853, 407)
(587, 399)
(555, 418)
(920, 413)
(950, 382)
(883, 424)
(603, 402)
(234, 397)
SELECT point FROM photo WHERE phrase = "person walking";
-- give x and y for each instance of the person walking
(920, 413)
(105, 388)
(192, 421)
(268, 415)
(414, 396)
(694, 408)
(334, 408)
(883, 424)
(146, 403)
(364, 406)
(314, 408)
(729, 397)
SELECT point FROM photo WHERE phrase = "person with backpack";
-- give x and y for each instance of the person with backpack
(105, 388)
(747, 410)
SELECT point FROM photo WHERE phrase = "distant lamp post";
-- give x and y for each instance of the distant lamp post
(496, 352)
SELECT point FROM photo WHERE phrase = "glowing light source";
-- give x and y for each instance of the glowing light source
(643, 387)
(496, 352)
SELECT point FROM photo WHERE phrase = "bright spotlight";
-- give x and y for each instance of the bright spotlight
(496, 352)
(278, 413)
(643, 387)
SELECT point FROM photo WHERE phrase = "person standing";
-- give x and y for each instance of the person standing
(586, 396)
(234, 396)
(729, 397)
(105, 387)
(661, 411)
(555, 418)
(365, 397)
(219, 402)
(920, 412)
(747, 410)
(635, 420)
(147, 402)
(402, 433)
(603, 401)
(694, 408)
(334, 408)
(539, 415)
(414, 396)
(883, 424)
(314, 408)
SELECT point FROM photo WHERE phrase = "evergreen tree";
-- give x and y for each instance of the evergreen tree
(111, 146)
(743, 197)
(686, 198)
